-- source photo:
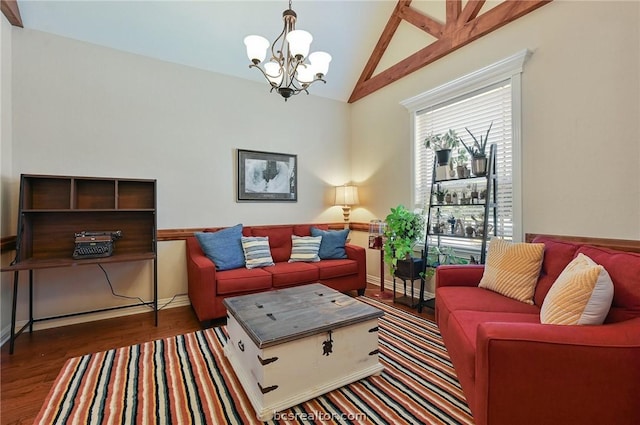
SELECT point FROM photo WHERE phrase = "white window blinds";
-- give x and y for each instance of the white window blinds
(476, 111)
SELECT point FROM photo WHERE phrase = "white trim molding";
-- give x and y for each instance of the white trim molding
(491, 74)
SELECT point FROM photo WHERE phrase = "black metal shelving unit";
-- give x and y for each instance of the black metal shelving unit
(438, 235)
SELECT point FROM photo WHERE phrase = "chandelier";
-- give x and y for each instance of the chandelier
(287, 71)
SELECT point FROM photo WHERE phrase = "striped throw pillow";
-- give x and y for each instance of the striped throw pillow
(581, 295)
(512, 269)
(305, 249)
(256, 251)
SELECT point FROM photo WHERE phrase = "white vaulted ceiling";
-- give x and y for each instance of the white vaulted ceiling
(209, 34)
(372, 42)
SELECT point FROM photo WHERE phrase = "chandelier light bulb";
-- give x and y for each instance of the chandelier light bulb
(299, 43)
(256, 48)
(320, 62)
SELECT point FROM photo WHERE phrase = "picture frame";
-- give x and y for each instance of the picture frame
(267, 177)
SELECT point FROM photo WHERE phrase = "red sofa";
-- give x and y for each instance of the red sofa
(208, 287)
(514, 370)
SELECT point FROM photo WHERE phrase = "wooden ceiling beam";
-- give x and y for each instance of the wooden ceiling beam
(12, 12)
(453, 8)
(383, 42)
(452, 39)
(424, 22)
(470, 11)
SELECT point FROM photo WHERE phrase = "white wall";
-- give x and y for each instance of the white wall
(81, 109)
(581, 102)
(89, 110)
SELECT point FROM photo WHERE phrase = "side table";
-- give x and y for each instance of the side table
(409, 270)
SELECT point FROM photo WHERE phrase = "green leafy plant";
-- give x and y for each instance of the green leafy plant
(403, 229)
(462, 158)
(478, 149)
(441, 255)
(437, 142)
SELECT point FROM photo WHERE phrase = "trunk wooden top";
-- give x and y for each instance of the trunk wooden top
(275, 317)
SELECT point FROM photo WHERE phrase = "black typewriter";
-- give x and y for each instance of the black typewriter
(95, 244)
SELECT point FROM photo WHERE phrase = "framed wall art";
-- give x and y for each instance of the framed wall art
(267, 176)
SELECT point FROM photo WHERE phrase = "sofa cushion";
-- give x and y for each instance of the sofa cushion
(512, 269)
(291, 274)
(557, 254)
(305, 229)
(241, 280)
(623, 269)
(279, 241)
(333, 242)
(330, 269)
(305, 249)
(223, 247)
(581, 296)
(454, 298)
(256, 251)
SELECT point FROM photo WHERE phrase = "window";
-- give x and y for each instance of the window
(490, 95)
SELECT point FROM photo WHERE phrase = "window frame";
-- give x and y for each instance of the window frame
(509, 68)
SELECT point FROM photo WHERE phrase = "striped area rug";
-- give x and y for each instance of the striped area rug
(188, 380)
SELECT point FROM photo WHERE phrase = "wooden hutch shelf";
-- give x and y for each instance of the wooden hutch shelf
(52, 209)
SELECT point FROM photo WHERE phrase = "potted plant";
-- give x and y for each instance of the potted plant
(404, 229)
(478, 152)
(442, 144)
(461, 163)
(440, 194)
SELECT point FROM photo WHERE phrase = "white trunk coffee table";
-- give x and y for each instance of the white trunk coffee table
(291, 345)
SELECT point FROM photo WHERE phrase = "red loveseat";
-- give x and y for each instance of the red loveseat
(208, 286)
(515, 370)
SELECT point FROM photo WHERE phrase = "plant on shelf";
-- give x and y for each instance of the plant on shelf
(440, 194)
(442, 144)
(478, 152)
(461, 160)
(404, 229)
(441, 255)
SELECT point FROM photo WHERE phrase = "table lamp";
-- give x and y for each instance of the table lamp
(346, 196)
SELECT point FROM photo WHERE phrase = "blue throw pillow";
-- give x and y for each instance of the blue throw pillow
(223, 247)
(332, 244)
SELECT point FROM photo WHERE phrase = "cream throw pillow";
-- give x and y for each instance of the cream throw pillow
(581, 295)
(305, 249)
(257, 252)
(512, 269)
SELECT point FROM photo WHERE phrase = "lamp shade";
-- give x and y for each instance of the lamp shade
(299, 43)
(347, 195)
(320, 62)
(305, 73)
(256, 47)
(273, 72)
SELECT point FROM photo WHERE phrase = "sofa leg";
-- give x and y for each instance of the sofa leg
(360, 292)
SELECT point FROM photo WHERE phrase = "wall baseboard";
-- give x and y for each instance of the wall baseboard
(178, 301)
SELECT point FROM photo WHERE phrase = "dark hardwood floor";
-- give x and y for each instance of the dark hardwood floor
(27, 375)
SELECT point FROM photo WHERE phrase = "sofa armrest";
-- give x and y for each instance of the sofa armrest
(359, 254)
(459, 275)
(201, 274)
(529, 373)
